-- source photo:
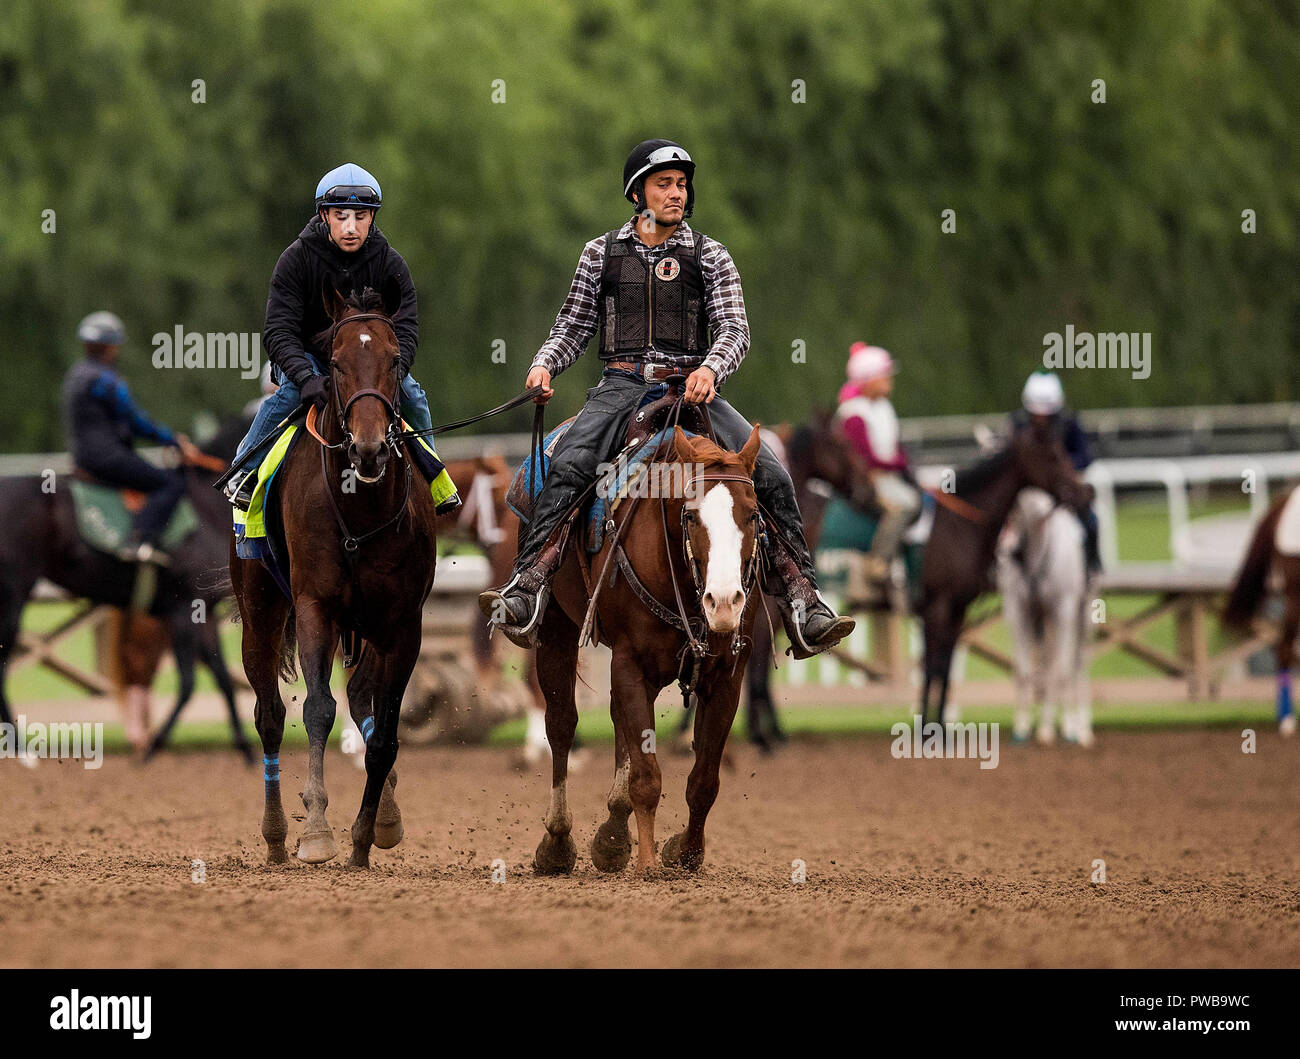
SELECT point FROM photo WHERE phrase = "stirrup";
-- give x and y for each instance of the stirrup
(524, 634)
(235, 493)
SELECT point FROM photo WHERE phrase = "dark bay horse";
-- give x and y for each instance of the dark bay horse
(360, 530)
(969, 516)
(41, 539)
(1265, 555)
(683, 595)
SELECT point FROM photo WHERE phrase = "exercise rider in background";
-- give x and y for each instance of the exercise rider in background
(666, 301)
(102, 422)
(1043, 399)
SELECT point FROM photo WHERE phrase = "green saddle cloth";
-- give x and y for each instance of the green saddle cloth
(845, 527)
(104, 522)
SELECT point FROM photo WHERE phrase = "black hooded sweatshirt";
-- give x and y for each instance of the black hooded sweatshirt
(295, 310)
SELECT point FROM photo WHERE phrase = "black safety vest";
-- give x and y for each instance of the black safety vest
(645, 305)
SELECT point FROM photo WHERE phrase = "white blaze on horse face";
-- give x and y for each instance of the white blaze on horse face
(364, 338)
(724, 596)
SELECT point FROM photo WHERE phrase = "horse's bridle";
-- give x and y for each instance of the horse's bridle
(750, 572)
(392, 438)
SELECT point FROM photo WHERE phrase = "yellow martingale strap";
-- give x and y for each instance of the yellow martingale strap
(254, 518)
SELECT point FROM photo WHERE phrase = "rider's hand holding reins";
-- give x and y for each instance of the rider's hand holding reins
(315, 391)
(700, 386)
(539, 376)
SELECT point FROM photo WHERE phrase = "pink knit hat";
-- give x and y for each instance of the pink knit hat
(868, 363)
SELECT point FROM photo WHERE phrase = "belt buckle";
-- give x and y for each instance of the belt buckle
(652, 372)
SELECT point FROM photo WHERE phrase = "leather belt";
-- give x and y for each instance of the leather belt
(651, 373)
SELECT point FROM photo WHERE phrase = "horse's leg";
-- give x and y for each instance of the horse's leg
(1079, 672)
(1058, 641)
(612, 846)
(763, 724)
(381, 749)
(14, 591)
(634, 713)
(318, 638)
(1022, 638)
(1285, 655)
(363, 687)
(184, 651)
(718, 702)
(934, 622)
(557, 671)
(942, 623)
(209, 648)
(263, 611)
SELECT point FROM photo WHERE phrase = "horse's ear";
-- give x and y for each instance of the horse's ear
(681, 445)
(390, 293)
(749, 454)
(331, 299)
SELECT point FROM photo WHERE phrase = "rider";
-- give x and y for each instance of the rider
(1043, 400)
(657, 292)
(867, 419)
(343, 245)
(101, 421)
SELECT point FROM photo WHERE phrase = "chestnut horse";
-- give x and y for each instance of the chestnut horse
(681, 607)
(970, 513)
(1275, 546)
(360, 530)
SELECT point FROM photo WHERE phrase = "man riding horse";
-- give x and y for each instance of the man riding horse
(343, 248)
(666, 301)
(102, 422)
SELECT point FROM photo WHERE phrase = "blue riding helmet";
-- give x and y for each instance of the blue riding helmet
(348, 186)
(103, 328)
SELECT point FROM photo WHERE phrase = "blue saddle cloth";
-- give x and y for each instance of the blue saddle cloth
(614, 486)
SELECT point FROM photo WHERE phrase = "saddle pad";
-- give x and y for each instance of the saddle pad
(104, 521)
(525, 487)
(258, 533)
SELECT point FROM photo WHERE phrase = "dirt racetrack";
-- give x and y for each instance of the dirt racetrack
(909, 863)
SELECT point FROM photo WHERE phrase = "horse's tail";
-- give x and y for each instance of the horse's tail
(1249, 589)
(289, 648)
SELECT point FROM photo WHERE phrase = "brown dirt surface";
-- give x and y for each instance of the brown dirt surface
(909, 863)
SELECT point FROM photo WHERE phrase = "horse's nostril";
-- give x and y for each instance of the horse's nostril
(738, 599)
(708, 599)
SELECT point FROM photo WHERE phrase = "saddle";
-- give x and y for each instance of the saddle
(645, 431)
(104, 514)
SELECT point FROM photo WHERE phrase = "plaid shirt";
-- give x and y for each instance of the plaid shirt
(579, 318)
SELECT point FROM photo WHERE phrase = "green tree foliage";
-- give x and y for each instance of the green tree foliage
(1117, 216)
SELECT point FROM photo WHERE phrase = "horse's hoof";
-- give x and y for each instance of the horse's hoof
(1287, 725)
(674, 856)
(387, 835)
(317, 848)
(358, 862)
(612, 846)
(388, 820)
(1046, 736)
(277, 854)
(556, 855)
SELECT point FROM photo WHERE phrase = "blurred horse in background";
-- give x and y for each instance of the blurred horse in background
(1043, 578)
(1275, 547)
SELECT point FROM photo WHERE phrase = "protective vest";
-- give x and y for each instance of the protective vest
(646, 305)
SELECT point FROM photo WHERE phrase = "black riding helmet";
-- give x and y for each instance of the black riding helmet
(651, 156)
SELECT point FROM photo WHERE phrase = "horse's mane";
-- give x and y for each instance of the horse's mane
(978, 475)
(368, 301)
